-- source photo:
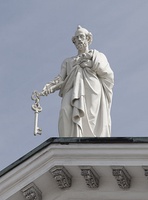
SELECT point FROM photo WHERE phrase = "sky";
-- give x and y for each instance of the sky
(35, 38)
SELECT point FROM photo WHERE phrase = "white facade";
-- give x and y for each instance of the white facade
(79, 169)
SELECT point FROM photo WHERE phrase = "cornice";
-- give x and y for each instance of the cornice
(75, 140)
(76, 153)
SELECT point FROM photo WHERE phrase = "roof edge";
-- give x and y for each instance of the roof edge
(74, 140)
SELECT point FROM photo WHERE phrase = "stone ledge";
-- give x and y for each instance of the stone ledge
(75, 140)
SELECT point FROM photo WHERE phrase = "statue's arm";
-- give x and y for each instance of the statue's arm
(106, 76)
(52, 86)
(56, 84)
(103, 69)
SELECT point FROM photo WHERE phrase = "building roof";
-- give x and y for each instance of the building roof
(74, 140)
(80, 168)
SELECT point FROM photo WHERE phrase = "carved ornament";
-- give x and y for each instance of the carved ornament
(90, 176)
(146, 170)
(62, 177)
(122, 177)
(31, 192)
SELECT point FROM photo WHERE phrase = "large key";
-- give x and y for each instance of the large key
(37, 108)
(49, 88)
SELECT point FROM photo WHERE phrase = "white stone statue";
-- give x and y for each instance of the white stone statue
(85, 83)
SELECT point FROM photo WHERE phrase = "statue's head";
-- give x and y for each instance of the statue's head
(82, 35)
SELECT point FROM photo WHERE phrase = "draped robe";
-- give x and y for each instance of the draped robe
(86, 97)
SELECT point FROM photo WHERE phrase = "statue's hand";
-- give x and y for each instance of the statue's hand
(52, 86)
(87, 63)
(47, 89)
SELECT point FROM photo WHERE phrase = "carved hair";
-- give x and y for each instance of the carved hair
(88, 34)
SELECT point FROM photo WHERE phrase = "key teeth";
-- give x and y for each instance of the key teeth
(39, 131)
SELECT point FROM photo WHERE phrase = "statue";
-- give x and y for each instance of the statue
(85, 84)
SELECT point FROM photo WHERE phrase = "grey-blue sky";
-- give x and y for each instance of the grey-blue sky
(36, 37)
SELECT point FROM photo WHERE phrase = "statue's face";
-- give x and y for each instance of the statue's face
(81, 41)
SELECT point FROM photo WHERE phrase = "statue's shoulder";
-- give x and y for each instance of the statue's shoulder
(98, 53)
(70, 59)
(101, 56)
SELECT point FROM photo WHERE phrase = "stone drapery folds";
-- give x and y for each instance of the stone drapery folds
(86, 96)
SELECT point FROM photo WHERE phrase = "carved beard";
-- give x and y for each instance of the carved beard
(81, 45)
